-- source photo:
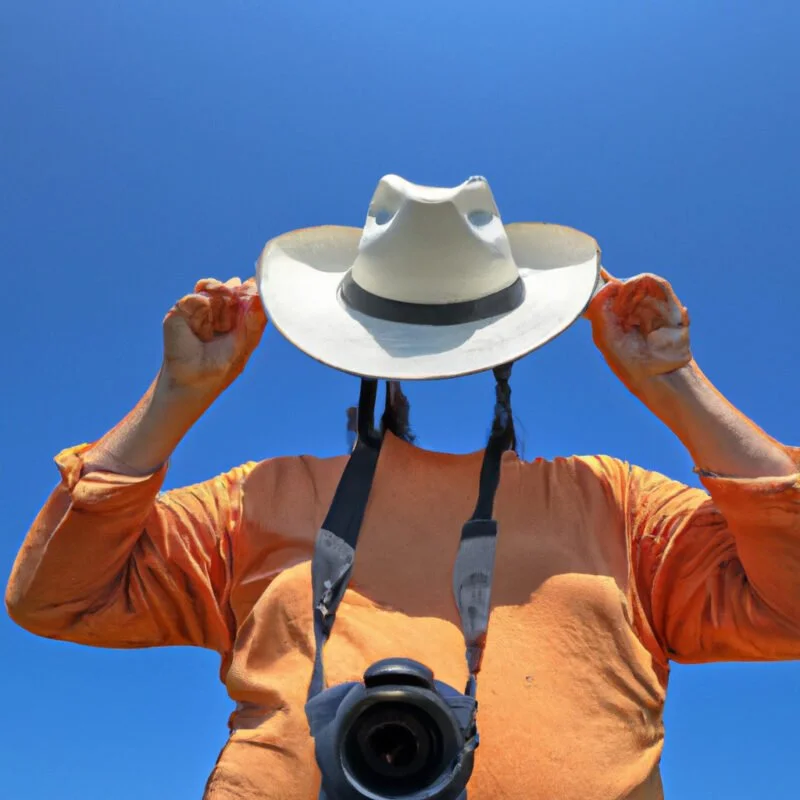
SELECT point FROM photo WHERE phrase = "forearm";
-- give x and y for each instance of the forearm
(718, 436)
(145, 439)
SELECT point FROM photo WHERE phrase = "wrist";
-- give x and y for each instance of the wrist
(666, 386)
(677, 397)
(144, 440)
(169, 393)
(683, 379)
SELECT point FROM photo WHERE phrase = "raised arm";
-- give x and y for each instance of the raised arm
(718, 571)
(111, 562)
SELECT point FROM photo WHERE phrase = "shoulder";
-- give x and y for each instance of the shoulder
(284, 476)
(619, 480)
(614, 471)
(641, 491)
(604, 469)
(286, 473)
(287, 488)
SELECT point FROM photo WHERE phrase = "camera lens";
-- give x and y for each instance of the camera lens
(394, 744)
(394, 749)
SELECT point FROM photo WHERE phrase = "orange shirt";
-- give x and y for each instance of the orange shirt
(604, 573)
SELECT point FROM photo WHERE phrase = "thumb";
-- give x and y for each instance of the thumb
(606, 286)
(252, 325)
(607, 277)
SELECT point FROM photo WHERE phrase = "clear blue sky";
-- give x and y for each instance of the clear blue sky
(144, 145)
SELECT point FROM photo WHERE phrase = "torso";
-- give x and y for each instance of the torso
(571, 691)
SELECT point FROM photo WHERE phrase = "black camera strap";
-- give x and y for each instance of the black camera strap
(335, 547)
(334, 550)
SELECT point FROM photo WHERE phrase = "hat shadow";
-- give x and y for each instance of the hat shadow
(397, 339)
(403, 340)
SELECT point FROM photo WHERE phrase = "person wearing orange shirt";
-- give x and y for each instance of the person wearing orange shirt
(603, 572)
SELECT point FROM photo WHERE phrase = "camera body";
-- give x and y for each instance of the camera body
(399, 734)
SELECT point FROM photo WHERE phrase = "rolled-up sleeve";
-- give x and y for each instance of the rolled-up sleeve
(111, 561)
(719, 570)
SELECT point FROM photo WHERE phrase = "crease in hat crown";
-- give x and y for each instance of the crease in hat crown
(434, 246)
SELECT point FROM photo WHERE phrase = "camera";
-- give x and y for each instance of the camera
(399, 734)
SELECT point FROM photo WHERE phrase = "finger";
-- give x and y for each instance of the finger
(194, 306)
(196, 310)
(213, 286)
(198, 315)
(249, 288)
(641, 286)
(607, 276)
(647, 319)
(634, 308)
(651, 284)
(207, 285)
(255, 317)
(674, 311)
(223, 302)
(236, 347)
(602, 300)
(225, 310)
(603, 279)
(671, 344)
(665, 314)
(253, 323)
(209, 315)
(648, 301)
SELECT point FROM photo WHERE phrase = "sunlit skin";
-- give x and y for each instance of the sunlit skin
(635, 571)
(638, 324)
(642, 330)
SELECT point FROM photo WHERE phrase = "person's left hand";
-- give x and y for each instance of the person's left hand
(641, 328)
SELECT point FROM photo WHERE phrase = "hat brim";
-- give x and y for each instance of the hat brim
(299, 273)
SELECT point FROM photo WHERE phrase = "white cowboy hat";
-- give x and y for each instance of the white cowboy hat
(434, 286)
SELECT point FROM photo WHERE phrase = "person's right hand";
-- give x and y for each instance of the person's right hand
(209, 335)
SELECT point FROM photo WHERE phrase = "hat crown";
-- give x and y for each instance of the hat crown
(432, 245)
